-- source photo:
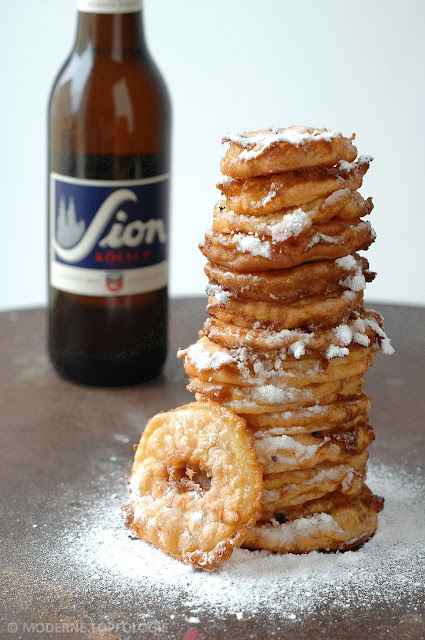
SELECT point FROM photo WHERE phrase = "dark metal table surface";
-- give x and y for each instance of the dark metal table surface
(56, 434)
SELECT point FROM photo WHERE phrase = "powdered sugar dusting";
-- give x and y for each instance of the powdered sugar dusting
(347, 167)
(254, 144)
(270, 394)
(298, 348)
(204, 359)
(321, 237)
(225, 181)
(385, 341)
(253, 245)
(288, 533)
(218, 292)
(387, 568)
(290, 226)
(355, 282)
(265, 199)
(333, 351)
(386, 347)
(281, 449)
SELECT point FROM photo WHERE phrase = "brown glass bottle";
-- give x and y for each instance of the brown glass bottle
(109, 139)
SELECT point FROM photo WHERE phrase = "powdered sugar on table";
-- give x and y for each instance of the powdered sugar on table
(387, 568)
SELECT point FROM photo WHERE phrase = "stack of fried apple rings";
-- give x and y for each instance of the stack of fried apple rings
(288, 340)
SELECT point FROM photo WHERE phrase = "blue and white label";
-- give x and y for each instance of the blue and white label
(108, 237)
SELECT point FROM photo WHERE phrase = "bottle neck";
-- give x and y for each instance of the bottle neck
(111, 33)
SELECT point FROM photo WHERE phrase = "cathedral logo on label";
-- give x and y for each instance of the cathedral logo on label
(108, 238)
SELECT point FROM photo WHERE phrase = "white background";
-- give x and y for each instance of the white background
(355, 66)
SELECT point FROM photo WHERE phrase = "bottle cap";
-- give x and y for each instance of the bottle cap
(109, 6)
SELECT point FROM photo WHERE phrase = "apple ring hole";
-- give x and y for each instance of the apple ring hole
(189, 478)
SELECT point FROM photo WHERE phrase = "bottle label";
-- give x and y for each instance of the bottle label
(108, 238)
(109, 6)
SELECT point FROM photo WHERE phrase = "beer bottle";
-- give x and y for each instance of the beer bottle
(109, 139)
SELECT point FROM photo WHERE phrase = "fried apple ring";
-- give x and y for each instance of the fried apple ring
(212, 363)
(196, 485)
(288, 285)
(289, 223)
(326, 241)
(343, 527)
(268, 399)
(323, 504)
(280, 453)
(319, 505)
(282, 490)
(264, 194)
(361, 328)
(273, 150)
(315, 418)
(314, 312)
